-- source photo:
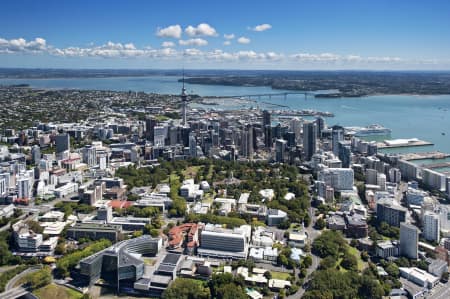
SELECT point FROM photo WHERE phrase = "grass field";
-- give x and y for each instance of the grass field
(58, 292)
(280, 275)
(356, 253)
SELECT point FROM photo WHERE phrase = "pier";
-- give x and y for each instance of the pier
(402, 143)
(428, 155)
(436, 165)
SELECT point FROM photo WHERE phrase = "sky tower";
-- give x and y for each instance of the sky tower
(184, 99)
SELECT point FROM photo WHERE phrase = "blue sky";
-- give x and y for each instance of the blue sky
(357, 34)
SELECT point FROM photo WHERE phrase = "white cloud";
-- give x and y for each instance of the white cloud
(228, 36)
(114, 50)
(193, 42)
(173, 31)
(262, 27)
(21, 45)
(243, 40)
(167, 44)
(202, 29)
(226, 43)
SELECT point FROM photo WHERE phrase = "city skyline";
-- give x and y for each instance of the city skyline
(295, 35)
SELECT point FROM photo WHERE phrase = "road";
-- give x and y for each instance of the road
(10, 285)
(14, 293)
(312, 235)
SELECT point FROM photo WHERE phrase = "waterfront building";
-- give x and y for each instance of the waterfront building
(433, 179)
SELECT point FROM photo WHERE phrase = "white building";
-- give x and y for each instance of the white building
(225, 243)
(420, 277)
(433, 179)
(431, 226)
(338, 178)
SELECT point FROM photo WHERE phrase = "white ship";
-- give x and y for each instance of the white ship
(372, 130)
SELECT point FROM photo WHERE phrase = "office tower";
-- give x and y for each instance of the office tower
(290, 138)
(395, 175)
(266, 119)
(280, 149)
(268, 136)
(174, 135)
(192, 145)
(24, 187)
(62, 143)
(35, 154)
(247, 142)
(409, 240)
(295, 126)
(345, 153)
(431, 226)
(160, 134)
(90, 155)
(337, 135)
(150, 124)
(185, 133)
(309, 139)
(320, 123)
(381, 181)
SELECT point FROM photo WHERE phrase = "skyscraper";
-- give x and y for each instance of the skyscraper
(150, 124)
(192, 145)
(280, 149)
(409, 240)
(309, 139)
(268, 136)
(62, 142)
(184, 99)
(266, 119)
(320, 123)
(344, 153)
(337, 135)
(247, 142)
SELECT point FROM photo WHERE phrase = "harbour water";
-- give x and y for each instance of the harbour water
(408, 116)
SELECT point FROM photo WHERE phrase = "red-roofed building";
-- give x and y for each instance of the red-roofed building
(184, 234)
(120, 204)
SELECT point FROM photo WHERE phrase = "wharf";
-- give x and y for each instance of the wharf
(436, 165)
(428, 155)
(402, 143)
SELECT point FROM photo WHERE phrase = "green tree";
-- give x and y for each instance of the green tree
(40, 278)
(184, 288)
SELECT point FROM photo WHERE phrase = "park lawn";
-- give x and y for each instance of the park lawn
(191, 171)
(210, 173)
(280, 275)
(356, 253)
(56, 291)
